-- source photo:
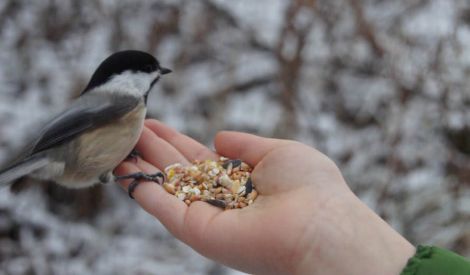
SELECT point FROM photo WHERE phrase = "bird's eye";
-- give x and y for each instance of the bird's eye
(150, 68)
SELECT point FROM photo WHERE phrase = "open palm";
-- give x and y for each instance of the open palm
(301, 216)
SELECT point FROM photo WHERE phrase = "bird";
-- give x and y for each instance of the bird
(82, 145)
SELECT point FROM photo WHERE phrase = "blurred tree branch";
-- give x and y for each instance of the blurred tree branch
(290, 44)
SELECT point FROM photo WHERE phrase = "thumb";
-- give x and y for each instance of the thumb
(249, 148)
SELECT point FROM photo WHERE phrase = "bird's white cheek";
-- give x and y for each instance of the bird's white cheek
(129, 83)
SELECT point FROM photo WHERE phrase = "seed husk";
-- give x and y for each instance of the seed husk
(217, 203)
(248, 186)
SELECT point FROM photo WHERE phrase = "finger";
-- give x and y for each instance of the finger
(249, 148)
(190, 148)
(169, 210)
(197, 221)
(189, 224)
(157, 151)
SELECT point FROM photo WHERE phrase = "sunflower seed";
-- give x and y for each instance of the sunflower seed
(248, 186)
(217, 203)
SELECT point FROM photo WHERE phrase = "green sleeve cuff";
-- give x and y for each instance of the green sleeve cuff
(431, 260)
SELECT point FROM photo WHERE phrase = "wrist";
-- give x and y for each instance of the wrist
(353, 240)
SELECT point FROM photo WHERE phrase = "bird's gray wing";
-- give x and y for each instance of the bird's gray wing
(85, 114)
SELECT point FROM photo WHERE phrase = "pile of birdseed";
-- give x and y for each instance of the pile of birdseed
(224, 183)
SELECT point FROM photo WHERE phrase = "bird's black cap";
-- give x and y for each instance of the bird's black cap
(129, 60)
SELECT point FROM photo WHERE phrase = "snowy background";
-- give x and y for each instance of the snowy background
(382, 87)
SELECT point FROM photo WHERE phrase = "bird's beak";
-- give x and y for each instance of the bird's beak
(165, 70)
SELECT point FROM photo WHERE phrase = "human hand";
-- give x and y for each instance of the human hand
(304, 221)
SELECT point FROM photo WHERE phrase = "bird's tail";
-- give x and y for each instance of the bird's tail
(22, 168)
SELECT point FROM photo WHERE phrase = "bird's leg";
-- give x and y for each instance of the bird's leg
(134, 155)
(106, 177)
(137, 177)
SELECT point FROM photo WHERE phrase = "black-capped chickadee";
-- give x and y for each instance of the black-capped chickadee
(82, 145)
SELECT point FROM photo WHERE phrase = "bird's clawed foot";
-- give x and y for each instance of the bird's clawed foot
(137, 177)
